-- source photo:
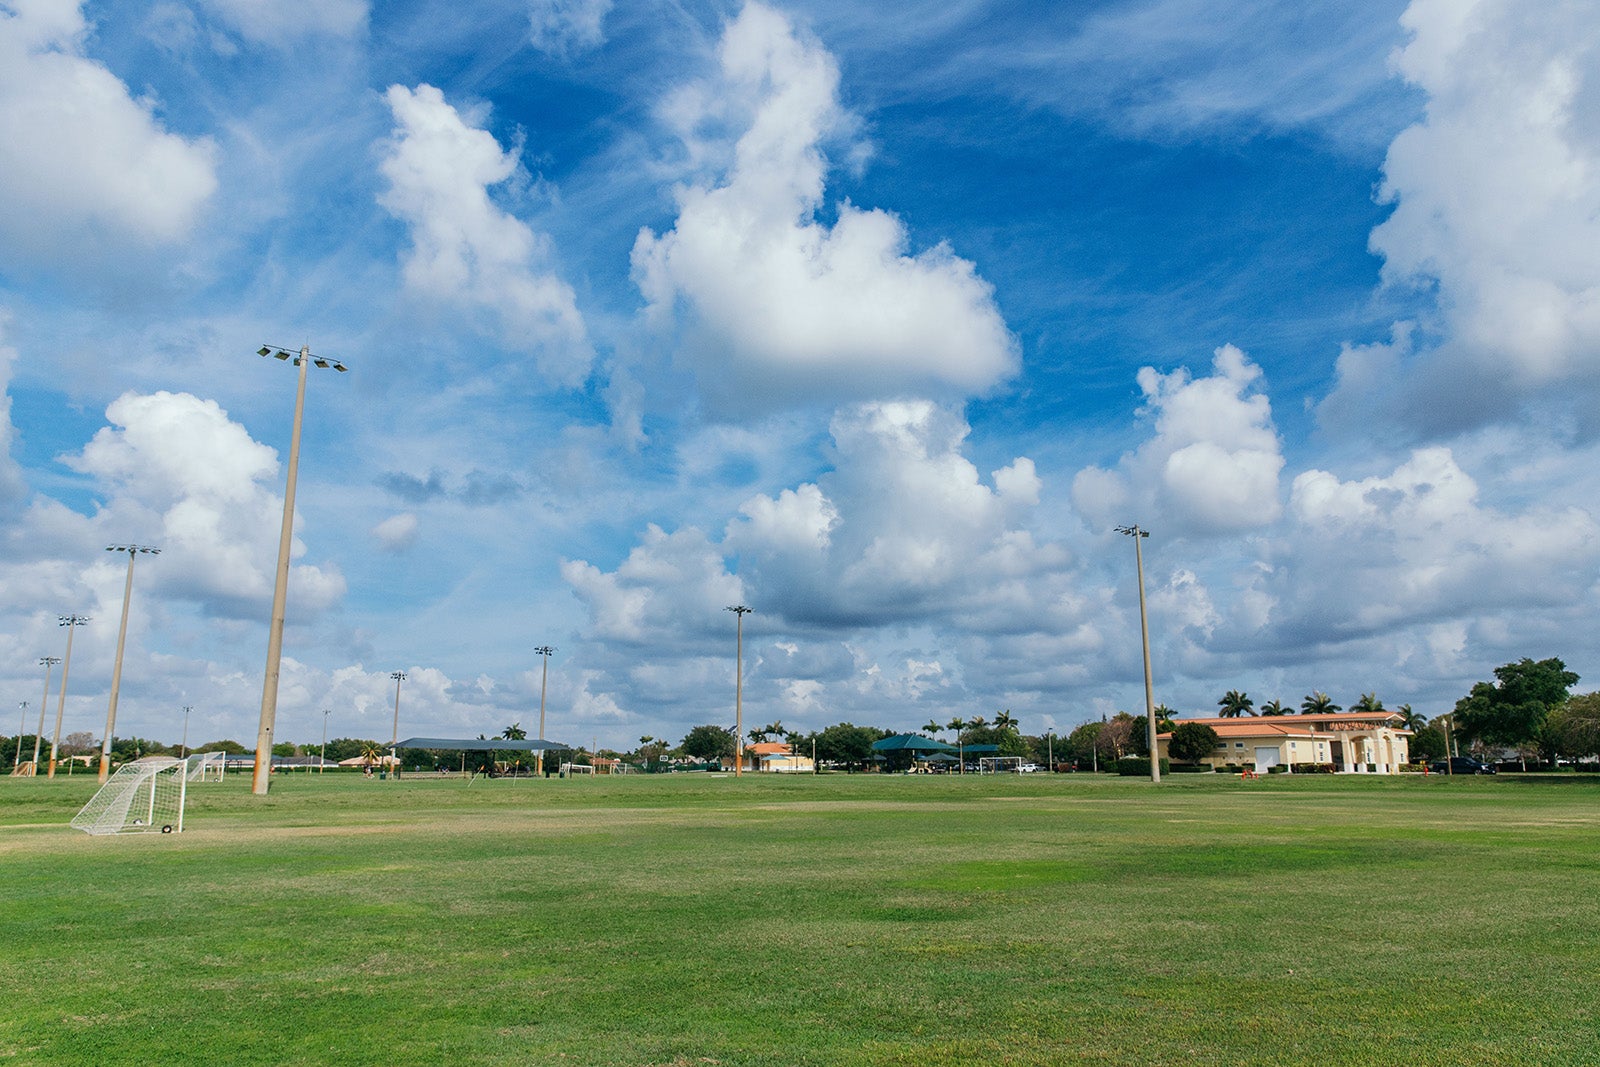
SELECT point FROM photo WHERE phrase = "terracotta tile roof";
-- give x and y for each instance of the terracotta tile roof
(768, 748)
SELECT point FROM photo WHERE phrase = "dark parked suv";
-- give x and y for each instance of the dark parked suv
(1460, 765)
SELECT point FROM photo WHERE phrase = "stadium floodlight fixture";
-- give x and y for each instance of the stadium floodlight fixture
(262, 777)
(133, 551)
(545, 651)
(46, 662)
(739, 611)
(1138, 536)
(71, 622)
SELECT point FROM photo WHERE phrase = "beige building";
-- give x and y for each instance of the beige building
(1351, 741)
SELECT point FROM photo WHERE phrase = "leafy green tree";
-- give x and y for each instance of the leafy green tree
(1192, 742)
(1319, 703)
(1234, 704)
(708, 743)
(1512, 710)
(514, 732)
(234, 748)
(285, 749)
(341, 748)
(1080, 743)
(1573, 729)
(1427, 744)
(847, 743)
(1273, 707)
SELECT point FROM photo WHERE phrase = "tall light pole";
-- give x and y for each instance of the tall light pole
(71, 622)
(322, 760)
(739, 611)
(22, 724)
(47, 662)
(398, 676)
(122, 638)
(269, 687)
(545, 651)
(185, 747)
(1138, 536)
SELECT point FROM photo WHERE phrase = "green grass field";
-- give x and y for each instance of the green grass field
(834, 920)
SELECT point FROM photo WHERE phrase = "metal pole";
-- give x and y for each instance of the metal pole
(1138, 536)
(71, 622)
(398, 676)
(262, 778)
(185, 746)
(22, 724)
(116, 670)
(1144, 633)
(544, 679)
(48, 661)
(739, 611)
(322, 760)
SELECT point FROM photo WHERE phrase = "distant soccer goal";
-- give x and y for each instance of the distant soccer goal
(207, 766)
(1000, 765)
(143, 797)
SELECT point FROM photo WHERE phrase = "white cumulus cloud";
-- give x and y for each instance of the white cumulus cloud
(1212, 465)
(1496, 195)
(777, 305)
(179, 472)
(83, 164)
(465, 250)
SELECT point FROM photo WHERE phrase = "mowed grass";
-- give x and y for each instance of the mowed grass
(832, 920)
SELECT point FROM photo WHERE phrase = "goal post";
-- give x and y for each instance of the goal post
(143, 797)
(1000, 765)
(207, 766)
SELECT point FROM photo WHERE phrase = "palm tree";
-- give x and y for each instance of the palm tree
(932, 728)
(1164, 716)
(1235, 704)
(977, 722)
(1273, 707)
(1411, 720)
(1369, 704)
(1005, 720)
(1319, 703)
(959, 724)
(514, 732)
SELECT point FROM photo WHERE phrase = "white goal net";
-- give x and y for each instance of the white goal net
(1000, 765)
(143, 797)
(207, 766)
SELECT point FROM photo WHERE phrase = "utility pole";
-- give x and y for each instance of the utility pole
(262, 777)
(47, 662)
(22, 724)
(1138, 536)
(398, 676)
(322, 760)
(71, 622)
(122, 636)
(739, 611)
(545, 652)
(187, 708)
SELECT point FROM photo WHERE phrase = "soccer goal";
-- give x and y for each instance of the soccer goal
(143, 797)
(1000, 765)
(207, 766)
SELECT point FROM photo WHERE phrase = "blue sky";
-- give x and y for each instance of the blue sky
(878, 322)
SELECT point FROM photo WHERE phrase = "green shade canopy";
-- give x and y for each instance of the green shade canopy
(911, 743)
